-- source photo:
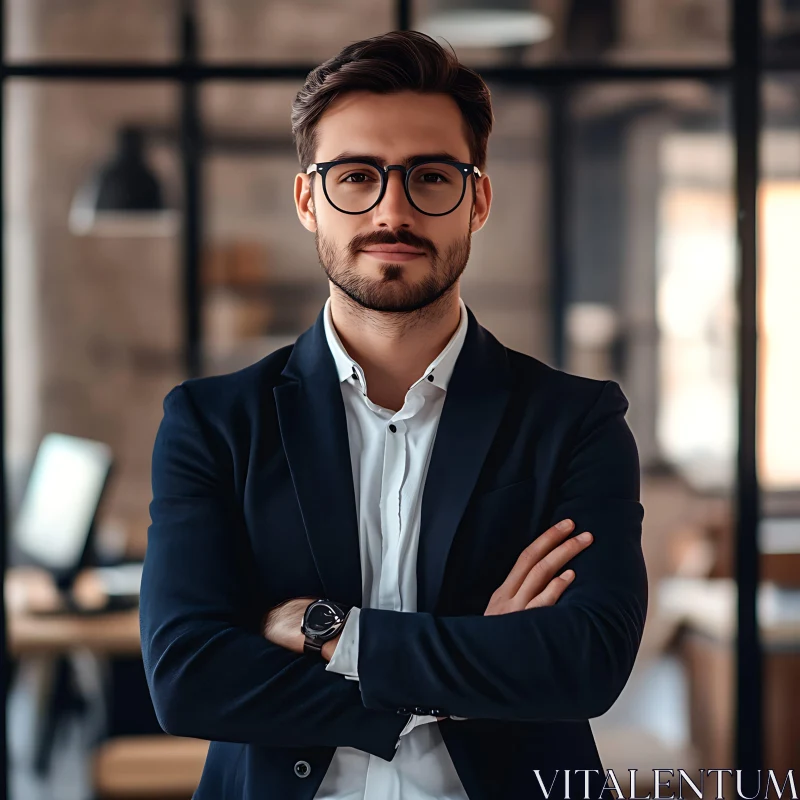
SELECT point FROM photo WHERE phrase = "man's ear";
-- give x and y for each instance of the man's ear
(304, 201)
(483, 203)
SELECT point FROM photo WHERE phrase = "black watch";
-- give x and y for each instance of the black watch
(322, 621)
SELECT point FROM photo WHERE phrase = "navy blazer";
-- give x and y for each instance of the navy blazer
(253, 503)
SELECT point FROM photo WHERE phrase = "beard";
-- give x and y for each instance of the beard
(391, 292)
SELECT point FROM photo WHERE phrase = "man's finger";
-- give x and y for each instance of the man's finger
(550, 595)
(550, 564)
(532, 554)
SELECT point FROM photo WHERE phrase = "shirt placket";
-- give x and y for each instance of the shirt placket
(394, 473)
(382, 781)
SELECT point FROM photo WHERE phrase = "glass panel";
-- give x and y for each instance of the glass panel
(778, 424)
(780, 325)
(506, 282)
(650, 303)
(262, 281)
(781, 29)
(90, 30)
(287, 31)
(93, 344)
(520, 32)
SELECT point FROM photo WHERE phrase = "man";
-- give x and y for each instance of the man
(353, 583)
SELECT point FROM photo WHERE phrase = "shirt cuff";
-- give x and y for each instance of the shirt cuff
(413, 722)
(417, 719)
(345, 657)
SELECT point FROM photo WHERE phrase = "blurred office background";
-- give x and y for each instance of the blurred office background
(611, 251)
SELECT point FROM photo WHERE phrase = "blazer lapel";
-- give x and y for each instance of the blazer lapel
(313, 428)
(477, 395)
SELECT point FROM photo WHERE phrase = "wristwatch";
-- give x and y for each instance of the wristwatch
(322, 621)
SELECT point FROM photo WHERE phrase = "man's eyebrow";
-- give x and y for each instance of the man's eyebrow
(441, 156)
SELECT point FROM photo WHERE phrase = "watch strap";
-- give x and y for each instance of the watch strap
(313, 648)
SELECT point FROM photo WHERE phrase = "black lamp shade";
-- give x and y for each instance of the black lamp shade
(123, 196)
(127, 183)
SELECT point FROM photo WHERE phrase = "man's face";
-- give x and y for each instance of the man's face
(392, 127)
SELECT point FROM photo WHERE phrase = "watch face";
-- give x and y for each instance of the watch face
(321, 618)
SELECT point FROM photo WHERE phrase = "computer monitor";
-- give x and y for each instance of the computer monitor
(55, 523)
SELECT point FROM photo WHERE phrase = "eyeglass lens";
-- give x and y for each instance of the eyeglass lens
(435, 188)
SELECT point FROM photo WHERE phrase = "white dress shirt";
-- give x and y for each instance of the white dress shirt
(389, 453)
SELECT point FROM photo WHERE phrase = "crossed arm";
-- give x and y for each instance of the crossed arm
(212, 675)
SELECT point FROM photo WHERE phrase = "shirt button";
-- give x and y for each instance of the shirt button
(392, 428)
(302, 769)
(430, 377)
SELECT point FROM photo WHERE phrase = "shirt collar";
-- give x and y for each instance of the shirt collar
(441, 368)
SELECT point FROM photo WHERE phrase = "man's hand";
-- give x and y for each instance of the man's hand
(281, 625)
(531, 584)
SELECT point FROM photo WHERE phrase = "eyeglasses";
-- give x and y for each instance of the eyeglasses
(355, 186)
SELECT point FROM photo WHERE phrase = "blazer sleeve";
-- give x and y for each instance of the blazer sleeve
(568, 661)
(210, 672)
(345, 662)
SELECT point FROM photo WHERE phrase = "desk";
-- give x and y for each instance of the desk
(50, 642)
(708, 605)
(157, 766)
(30, 634)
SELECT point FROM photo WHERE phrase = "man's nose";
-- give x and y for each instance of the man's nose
(394, 210)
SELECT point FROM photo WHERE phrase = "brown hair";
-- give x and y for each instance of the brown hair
(393, 62)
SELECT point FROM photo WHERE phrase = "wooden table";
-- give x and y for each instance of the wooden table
(157, 766)
(48, 643)
(29, 588)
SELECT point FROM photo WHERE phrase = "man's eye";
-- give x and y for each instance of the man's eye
(356, 175)
(434, 176)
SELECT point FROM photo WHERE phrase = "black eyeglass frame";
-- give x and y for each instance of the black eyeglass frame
(466, 170)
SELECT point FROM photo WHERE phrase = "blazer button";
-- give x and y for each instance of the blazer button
(403, 711)
(302, 769)
(435, 712)
(421, 711)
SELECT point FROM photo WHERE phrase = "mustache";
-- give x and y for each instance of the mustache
(364, 240)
